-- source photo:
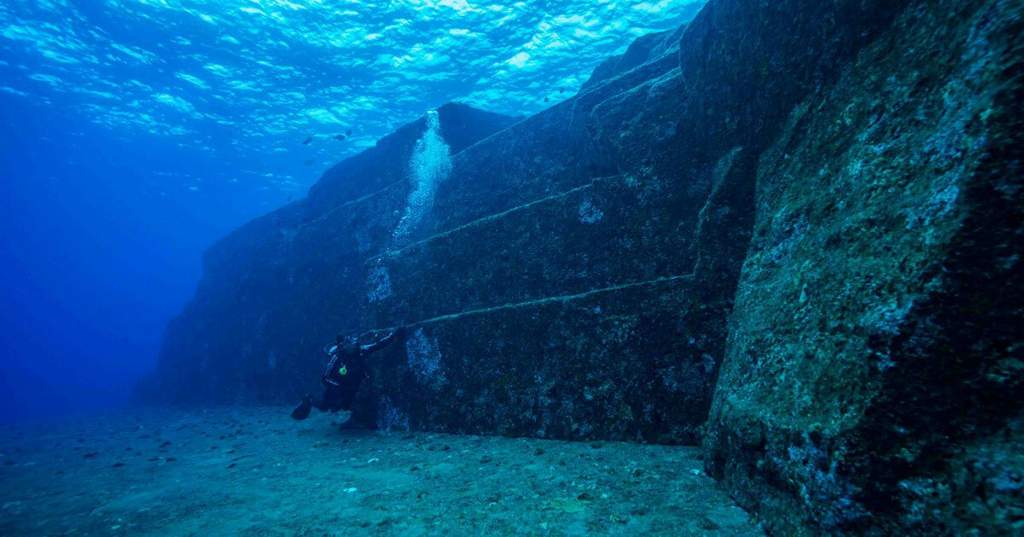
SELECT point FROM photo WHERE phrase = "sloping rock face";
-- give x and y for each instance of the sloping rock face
(646, 49)
(873, 377)
(790, 230)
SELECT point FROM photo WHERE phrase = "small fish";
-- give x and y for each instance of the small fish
(348, 132)
(307, 141)
(339, 137)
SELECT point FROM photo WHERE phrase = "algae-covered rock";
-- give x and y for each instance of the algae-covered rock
(875, 341)
(530, 254)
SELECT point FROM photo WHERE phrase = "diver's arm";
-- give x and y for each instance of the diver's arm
(380, 343)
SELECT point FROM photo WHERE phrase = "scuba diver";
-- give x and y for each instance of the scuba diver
(345, 371)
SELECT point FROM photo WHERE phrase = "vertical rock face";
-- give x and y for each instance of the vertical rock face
(873, 367)
(790, 230)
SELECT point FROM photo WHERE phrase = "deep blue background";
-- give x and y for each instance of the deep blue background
(94, 260)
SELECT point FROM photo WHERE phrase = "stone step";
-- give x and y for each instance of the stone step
(544, 154)
(610, 231)
(625, 362)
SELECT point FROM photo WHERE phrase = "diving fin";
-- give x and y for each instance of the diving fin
(302, 411)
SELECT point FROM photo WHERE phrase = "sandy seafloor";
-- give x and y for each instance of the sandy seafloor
(255, 472)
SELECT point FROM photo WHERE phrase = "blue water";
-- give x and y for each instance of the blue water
(134, 134)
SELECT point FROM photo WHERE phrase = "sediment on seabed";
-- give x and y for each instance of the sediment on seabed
(254, 471)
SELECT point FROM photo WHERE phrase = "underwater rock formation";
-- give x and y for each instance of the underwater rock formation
(279, 288)
(790, 230)
(873, 379)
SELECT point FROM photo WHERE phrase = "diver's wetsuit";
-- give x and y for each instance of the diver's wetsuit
(345, 371)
